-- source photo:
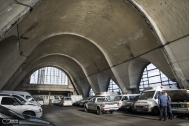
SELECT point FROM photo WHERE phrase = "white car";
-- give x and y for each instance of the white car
(65, 101)
(17, 106)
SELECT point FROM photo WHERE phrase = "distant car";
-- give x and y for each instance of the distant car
(122, 99)
(65, 101)
(40, 101)
(129, 104)
(9, 117)
(55, 101)
(16, 105)
(101, 105)
(84, 101)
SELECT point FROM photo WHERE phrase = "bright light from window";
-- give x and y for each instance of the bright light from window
(113, 87)
(152, 76)
(49, 75)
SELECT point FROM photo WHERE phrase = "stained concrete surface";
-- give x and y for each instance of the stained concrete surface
(75, 116)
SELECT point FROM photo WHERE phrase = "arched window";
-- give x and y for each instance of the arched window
(49, 75)
(152, 76)
(91, 93)
(113, 87)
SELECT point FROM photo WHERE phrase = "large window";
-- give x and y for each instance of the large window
(152, 76)
(49, 75)
(113, 87)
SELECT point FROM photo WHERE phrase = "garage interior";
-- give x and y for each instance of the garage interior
(93, 42)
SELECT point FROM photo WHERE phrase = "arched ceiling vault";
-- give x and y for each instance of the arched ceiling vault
(65, 62)
(115, 26)
(79, 49)
(44, 63)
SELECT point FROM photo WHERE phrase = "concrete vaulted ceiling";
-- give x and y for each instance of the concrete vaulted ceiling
(113, 26)
(96, 34)
(86, 37)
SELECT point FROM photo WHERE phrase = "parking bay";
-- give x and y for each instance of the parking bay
(75, 116)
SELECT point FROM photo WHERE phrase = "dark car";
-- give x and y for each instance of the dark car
(129, 104)
(9, 117)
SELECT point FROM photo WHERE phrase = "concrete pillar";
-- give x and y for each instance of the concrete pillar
(85, 87)
(103, 81)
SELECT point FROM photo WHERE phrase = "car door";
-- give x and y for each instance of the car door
(90, 103)
(124, 100)
(10, 103)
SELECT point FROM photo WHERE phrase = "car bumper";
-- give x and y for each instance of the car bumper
(110, 109)
(143, 109)
(38, 114)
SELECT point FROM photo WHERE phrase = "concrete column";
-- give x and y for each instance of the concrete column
(85, 87)
(103, 81)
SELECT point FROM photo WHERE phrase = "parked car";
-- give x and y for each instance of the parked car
(20, 98)
(24, 94)
(84, 101)
(101, 105)
(16, 105)
(10, 117)
(122, 99)
(65, 101)
(129, 104)
(40, 101)
(55, 101)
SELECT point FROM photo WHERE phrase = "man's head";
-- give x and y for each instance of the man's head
(165, 93)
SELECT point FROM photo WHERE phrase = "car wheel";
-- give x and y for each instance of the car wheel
(155, 111)
(98, 111)
(29, 113)
(111, 112)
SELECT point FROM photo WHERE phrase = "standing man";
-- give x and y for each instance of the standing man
(169, 109)
(162, 101)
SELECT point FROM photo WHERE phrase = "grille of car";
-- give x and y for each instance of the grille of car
(139, 106)
(176, 105)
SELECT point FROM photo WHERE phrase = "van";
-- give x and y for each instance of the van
(24, 94)
(65, 101)
(148, 100)
(17, 106)
(122, 99)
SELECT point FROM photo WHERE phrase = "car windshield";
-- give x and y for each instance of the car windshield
(146, 95)
(178, 95)
(102, 99)
(132, 97)
(18, 101)
(20, 98)
(136, 98)
(117, 98)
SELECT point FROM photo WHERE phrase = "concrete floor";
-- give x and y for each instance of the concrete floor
(75, 116)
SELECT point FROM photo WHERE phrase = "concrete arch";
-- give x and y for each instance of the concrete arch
(170, 29)
(7, 48)
(28, 74)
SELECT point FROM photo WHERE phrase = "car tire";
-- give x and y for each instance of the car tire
(155, 111)
(29, 113)
(98, 111)
(111, 112)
